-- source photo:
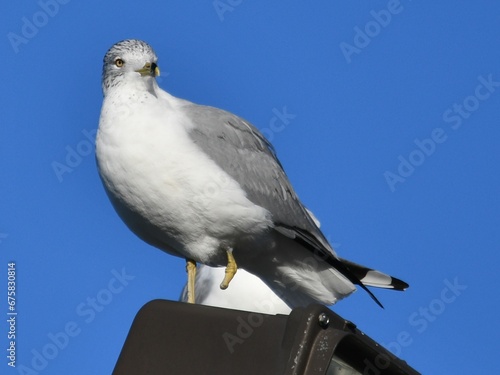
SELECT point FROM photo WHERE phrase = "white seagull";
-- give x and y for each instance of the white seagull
(203, 184)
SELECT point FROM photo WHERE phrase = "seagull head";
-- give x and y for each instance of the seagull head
(129, 59)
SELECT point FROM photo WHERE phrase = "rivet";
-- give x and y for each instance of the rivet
(323, 320)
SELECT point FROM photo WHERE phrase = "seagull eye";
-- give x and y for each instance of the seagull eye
(119, 63)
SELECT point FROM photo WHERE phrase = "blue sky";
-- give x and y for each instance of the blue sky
(393, 145)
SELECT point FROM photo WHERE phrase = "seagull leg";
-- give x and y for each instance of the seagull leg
(231, 269)
(191, 271)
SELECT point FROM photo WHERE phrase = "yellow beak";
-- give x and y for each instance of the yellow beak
(149, 69)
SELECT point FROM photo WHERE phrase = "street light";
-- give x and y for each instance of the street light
(178, 338)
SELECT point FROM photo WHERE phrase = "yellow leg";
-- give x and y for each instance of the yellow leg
(191, 271)
(231, 269)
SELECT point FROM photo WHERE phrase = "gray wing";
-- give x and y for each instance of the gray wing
(243, 153)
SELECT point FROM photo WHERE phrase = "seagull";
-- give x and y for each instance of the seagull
(205, 185)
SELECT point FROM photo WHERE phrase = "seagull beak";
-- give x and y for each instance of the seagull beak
(149, 69)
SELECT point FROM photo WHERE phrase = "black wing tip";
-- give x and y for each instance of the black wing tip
(398, 284)
(372, 296)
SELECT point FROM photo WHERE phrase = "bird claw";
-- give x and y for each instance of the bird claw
(191, 271)
(231, 269)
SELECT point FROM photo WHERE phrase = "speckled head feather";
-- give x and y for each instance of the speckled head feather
(133, 53)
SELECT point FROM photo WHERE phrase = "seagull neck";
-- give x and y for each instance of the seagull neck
(137, 84)
(146, 84)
